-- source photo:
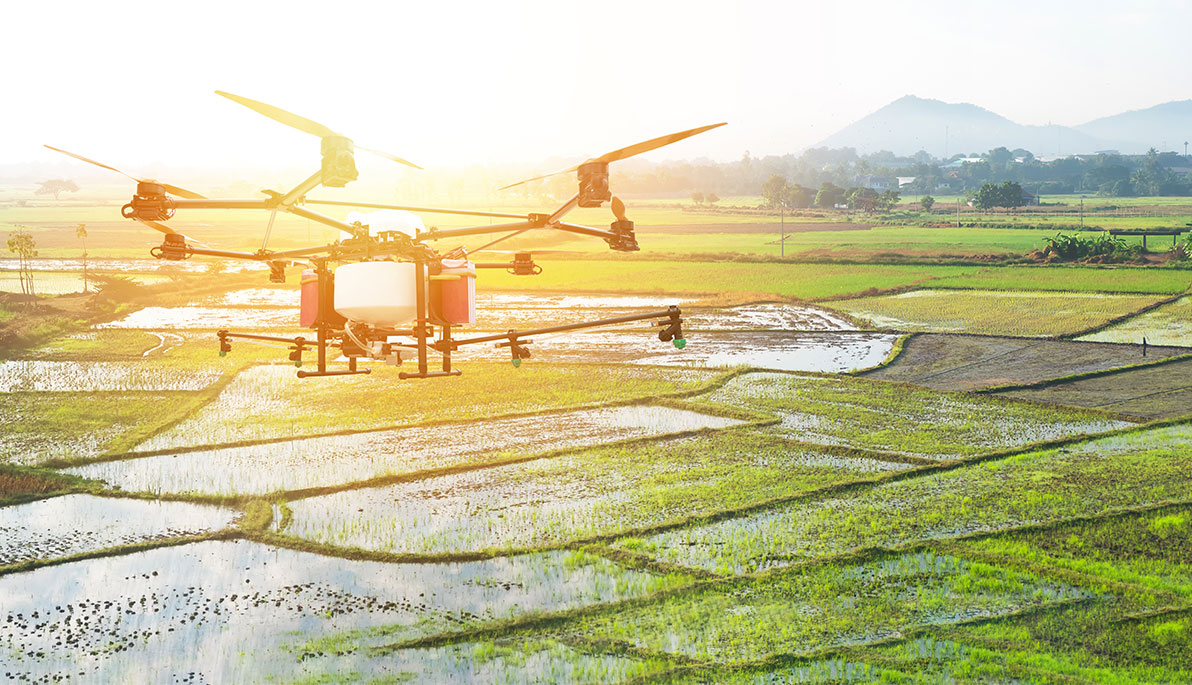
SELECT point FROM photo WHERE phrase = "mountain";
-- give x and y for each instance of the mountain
(910, 124)
(1164, 127)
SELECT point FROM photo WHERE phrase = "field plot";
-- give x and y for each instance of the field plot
(513, 662)
(994, 312)
(36, 427)
(207, 317)
(689, 278)
(271, 402)
(947, 361)
(73, 524)
(592, 492)
(200, 608)
(328, 461)
(1086, 643)
(1137, 469)
(1149, 392)
(1072, 278)
(892, 417)
(1151, 551)
(804, 610)
(42, 376)
(1170, 324)
(63, 282)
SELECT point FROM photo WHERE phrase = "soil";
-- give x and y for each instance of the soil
(948, 361)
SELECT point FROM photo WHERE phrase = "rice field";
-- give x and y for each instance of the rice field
(894, 418)
(737, 511)
(1170, 324)
(1137, 469)
(585, 494)
(199, 608)
(340, 459)
(1024, 314)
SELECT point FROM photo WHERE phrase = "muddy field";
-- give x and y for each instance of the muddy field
(974, 362)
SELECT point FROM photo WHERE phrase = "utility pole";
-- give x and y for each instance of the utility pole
(782, 229)
(958, 198)
(1082, 212)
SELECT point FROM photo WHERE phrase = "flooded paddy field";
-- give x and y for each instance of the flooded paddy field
(894, 418)
(829, 352)
(198, 610)
(74, 524)
(1137, 469)
(1150, 392)
(1170, 324)
(66, 376)
(332, 460)
(271, 402)
(948, 361)
(586, 493)
(820, 607)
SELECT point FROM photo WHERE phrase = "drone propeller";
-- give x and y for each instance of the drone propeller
(171, 189)
(626, 152)
(305, 125)
(169, 231)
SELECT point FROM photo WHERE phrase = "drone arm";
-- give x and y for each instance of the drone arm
(671, 313)
(408, 208)
(439, 234)
(315, 180)
(585, 230)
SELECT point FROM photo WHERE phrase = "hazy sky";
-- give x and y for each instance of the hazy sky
(451, 83)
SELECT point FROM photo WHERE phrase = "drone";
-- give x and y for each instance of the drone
(378, 294)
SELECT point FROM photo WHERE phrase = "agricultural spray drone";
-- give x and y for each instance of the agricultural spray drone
(392, 292)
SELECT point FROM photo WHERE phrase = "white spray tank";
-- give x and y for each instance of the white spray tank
(379, 293)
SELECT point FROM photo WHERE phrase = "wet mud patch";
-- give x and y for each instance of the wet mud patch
(75, 524)
(588, 493)
(333, 460)
(948, 361)
(1132, 470)
(1149, 393)
(234, 611)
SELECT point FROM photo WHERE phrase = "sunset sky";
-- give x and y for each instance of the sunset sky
(448, 84)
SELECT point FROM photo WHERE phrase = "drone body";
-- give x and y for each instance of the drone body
(392, 292)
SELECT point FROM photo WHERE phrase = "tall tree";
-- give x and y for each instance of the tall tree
(56, 186)
(23, 245)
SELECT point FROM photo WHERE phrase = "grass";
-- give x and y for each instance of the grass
(994, 312)
(1122, 279)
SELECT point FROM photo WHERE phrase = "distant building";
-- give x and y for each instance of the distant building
(871, 181)
(956, 164)
(904, 181)
(1029, 198)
